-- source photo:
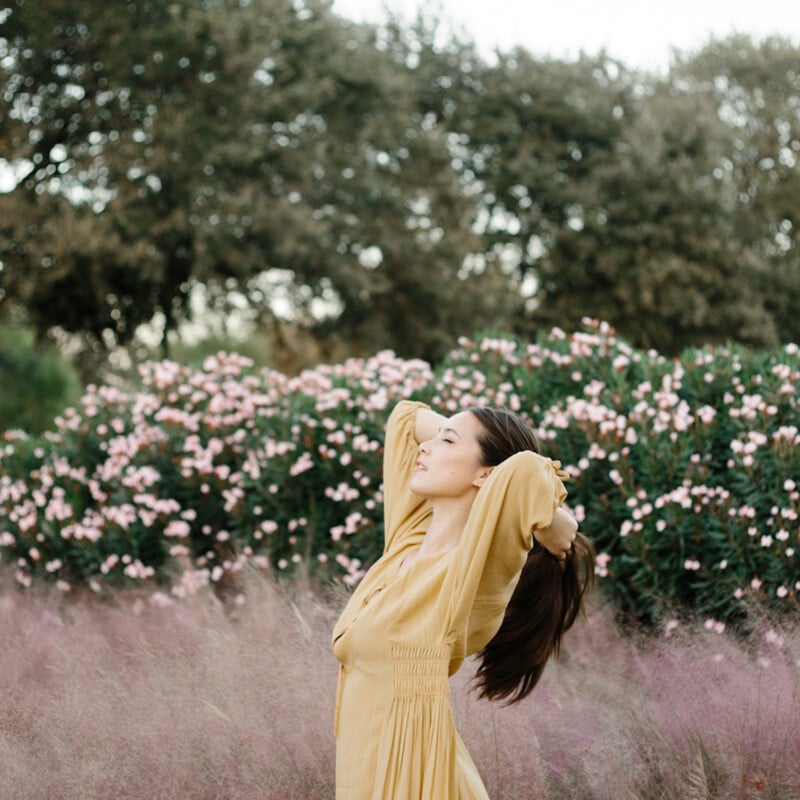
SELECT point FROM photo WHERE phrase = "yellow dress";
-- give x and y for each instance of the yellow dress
(400, 637)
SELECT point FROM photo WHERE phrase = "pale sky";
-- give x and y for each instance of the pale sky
(641, 33)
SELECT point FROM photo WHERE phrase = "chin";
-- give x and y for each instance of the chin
(417, 488)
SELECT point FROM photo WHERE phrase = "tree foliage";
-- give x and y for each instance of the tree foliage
(38, 383)
(169, 144)
(386, 184)
(755, 91)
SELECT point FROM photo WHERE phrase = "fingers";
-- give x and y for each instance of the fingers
(564, 553)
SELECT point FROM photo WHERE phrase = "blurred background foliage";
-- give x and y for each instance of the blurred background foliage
(312, 188)
(37, 382)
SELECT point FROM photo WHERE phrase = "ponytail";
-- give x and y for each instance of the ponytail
(549, 594)
(545, 603)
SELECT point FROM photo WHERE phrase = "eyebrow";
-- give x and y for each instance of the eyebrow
(450, 430)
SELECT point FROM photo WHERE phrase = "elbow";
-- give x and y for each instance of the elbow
(573, 523)
(566, 520)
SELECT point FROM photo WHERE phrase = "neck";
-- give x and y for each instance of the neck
(447, 523)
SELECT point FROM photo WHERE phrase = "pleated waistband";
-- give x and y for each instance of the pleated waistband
(420, 669)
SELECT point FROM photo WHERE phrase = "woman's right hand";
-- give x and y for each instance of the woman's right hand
(558, 536)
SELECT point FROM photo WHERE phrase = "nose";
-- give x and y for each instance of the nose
(424, 447)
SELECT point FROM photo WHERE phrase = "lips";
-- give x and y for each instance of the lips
(419, 466)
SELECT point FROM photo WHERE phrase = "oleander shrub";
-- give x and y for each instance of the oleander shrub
(200, 471)
(683, 470)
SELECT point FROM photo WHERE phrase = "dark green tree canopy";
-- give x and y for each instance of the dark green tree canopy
(402, 188)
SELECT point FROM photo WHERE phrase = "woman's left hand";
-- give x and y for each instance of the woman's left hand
(557, 538)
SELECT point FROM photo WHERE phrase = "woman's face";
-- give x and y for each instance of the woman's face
(449, 465)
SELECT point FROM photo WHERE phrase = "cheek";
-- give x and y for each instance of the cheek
(452, 476)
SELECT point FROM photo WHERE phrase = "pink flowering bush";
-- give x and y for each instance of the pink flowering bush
(200, 471)
(685, 472)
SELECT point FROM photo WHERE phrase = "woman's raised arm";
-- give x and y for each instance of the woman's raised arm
(403, 511)
(426, 423)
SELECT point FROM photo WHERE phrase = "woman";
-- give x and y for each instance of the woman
(460, 574)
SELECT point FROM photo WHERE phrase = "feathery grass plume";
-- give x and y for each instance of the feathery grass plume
(128, 700)
(124, 698)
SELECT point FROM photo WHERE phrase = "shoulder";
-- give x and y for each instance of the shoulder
(527, 461)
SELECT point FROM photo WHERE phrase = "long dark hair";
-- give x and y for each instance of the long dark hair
(549, 594)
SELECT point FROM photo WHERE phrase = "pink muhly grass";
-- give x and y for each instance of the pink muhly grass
(194, 700)
(188, 701)
(695, 714)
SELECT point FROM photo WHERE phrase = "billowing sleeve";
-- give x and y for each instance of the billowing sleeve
(403, 512)
(521, 494)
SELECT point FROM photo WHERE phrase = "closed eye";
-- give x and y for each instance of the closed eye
(447, 434)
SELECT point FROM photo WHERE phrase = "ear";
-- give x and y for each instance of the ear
(483, 474)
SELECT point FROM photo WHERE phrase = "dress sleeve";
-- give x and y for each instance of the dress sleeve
(520, 495)
(403, 512)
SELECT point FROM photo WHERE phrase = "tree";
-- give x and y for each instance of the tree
(107, 113)
(390, 185)
(528, 136)
(618, 198)
(368, 183)
(654, 249)
(162, 145)
(38, 383)
(754, 88)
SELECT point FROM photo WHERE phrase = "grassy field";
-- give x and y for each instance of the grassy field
(126, 700)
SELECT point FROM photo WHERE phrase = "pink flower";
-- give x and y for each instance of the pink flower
(178, 528)
(161, 600)
(137, 570)
(601, 564)
(714, 625)
(302, 464)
